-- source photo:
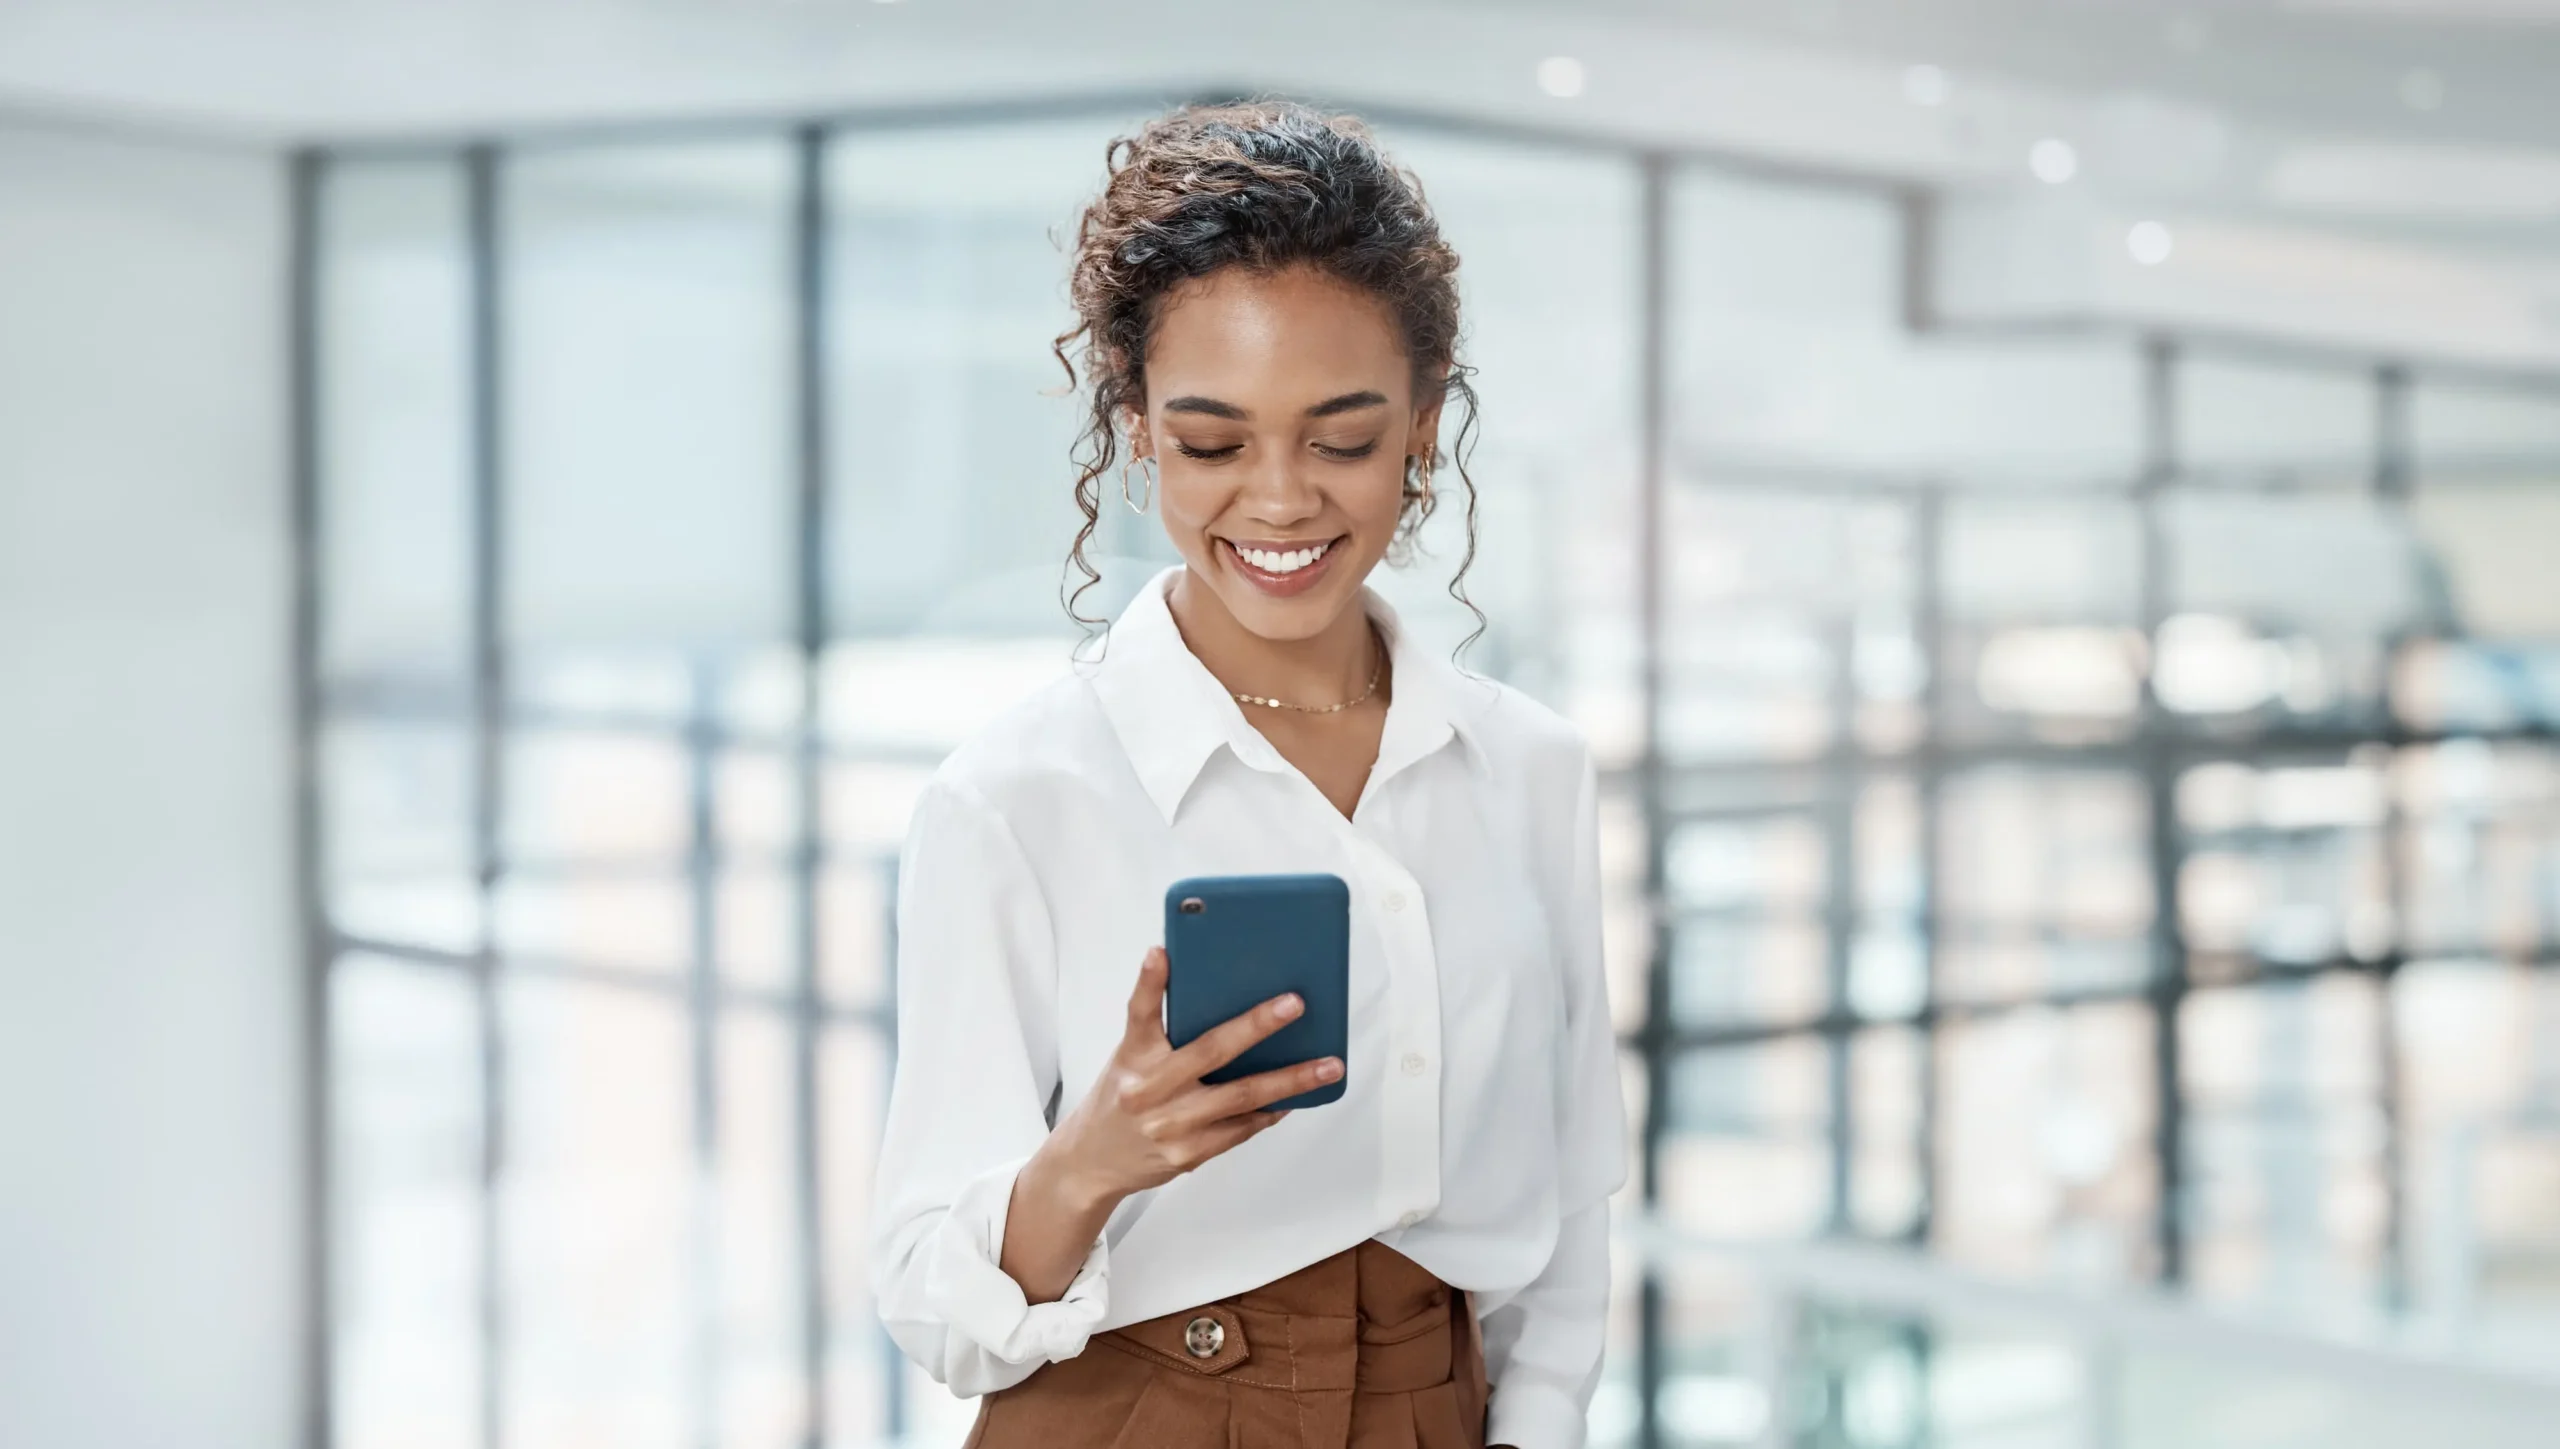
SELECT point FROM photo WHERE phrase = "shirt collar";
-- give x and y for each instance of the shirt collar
(1171, 714)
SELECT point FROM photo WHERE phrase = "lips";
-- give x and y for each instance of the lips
(1281, 568)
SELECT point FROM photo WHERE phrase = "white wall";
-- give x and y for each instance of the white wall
(148, 1082)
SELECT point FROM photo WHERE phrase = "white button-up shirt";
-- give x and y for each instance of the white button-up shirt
(1480, 1132)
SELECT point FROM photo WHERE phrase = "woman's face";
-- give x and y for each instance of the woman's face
(1280, 412)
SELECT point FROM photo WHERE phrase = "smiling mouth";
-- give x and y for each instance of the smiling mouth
(1282, 562)
(1282, 572)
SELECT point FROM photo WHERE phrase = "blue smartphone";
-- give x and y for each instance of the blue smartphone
(1233, 942)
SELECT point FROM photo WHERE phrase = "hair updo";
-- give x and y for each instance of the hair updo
(1261, 184)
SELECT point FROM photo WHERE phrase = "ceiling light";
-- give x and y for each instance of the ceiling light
(2053, 161)
(1925, 85)
(2148, 243)
(1560, 75)
(2422, 90)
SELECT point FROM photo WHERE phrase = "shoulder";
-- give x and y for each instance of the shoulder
(1055, 735)
(1523, 738)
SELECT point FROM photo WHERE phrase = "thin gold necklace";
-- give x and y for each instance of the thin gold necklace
(1376, 670)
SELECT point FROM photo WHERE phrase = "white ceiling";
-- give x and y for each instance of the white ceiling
(2491, 67)
(2329, 65)
(2429, 124)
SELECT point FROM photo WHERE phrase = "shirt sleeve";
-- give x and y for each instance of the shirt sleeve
(1543, 1345)
(977, 1067)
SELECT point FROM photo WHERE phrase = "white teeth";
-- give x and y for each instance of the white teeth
(1282, 563)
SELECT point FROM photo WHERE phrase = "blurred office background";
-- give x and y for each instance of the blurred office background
(2047, 512)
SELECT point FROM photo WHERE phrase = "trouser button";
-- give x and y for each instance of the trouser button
(1203, 1336)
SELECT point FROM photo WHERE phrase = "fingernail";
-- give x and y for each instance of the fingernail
(1290, 1006)
(1330, 1069)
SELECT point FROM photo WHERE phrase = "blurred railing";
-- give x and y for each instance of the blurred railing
(1845, 1343)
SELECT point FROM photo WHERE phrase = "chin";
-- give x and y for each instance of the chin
(1301, 618)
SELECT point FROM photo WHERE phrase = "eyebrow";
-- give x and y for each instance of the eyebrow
(1347, 402)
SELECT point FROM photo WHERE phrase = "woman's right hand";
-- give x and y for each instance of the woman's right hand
(1148, 1119)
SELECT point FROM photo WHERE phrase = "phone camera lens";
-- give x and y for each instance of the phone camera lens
(1193, 905)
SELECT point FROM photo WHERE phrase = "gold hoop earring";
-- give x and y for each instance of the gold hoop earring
(1134, 505)
(1422, 480)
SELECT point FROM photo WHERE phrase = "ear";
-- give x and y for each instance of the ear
(1133, 427)
(1426, 424)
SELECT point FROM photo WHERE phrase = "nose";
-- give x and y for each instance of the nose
(1278, 491)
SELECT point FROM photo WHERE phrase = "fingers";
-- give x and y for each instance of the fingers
(1231, 1038)
(1235, 1132)
(1245, 1095)
(1146, 1000)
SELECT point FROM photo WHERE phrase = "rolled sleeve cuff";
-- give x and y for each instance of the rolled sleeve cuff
(978, 1298)
(1535, 1416)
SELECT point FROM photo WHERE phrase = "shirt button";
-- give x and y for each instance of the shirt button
(1408, 1220)
(1414, 1062)
(1395, 900)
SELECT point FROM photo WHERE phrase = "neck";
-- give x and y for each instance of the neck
(1328, 666)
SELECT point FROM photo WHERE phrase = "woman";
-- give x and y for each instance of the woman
(1067, 1220)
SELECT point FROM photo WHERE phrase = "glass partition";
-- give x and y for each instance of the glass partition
(2078, 808)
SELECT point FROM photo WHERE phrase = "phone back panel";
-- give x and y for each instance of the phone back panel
(1248, 939)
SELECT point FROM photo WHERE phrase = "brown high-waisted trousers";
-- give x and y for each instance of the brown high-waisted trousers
(1363, 1350)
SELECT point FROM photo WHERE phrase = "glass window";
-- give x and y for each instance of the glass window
(757, 813)
(1794, 352)
(2284, 863)
(591, 797)
(2475, 685)
(2466, 430)
(1922, 677)
(754, 938)
(1887, 1193)
(2485, 555)
(405, 1154)
(1760, 1114)
(2046, 1117)
(2287, 1203)
(2345, 564)
(2026, 560)
(2479, 848)
(396, 825)
(394, 380)
(2264, 422)
(600, 1230)
(950, 429)
(648, 408)
(2046, 883)
(2479, 1046)
(639, 919)
(857, 902)
(757, 1388)
(1749, 970)
(871, 1387)
(1548, 287)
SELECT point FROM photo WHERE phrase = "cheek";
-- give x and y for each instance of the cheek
(1376, 499)
(1190, 504)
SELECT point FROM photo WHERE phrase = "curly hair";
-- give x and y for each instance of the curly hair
(1263, 184)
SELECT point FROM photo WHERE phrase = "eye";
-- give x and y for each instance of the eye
(1206, 455)
(1348, 454)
